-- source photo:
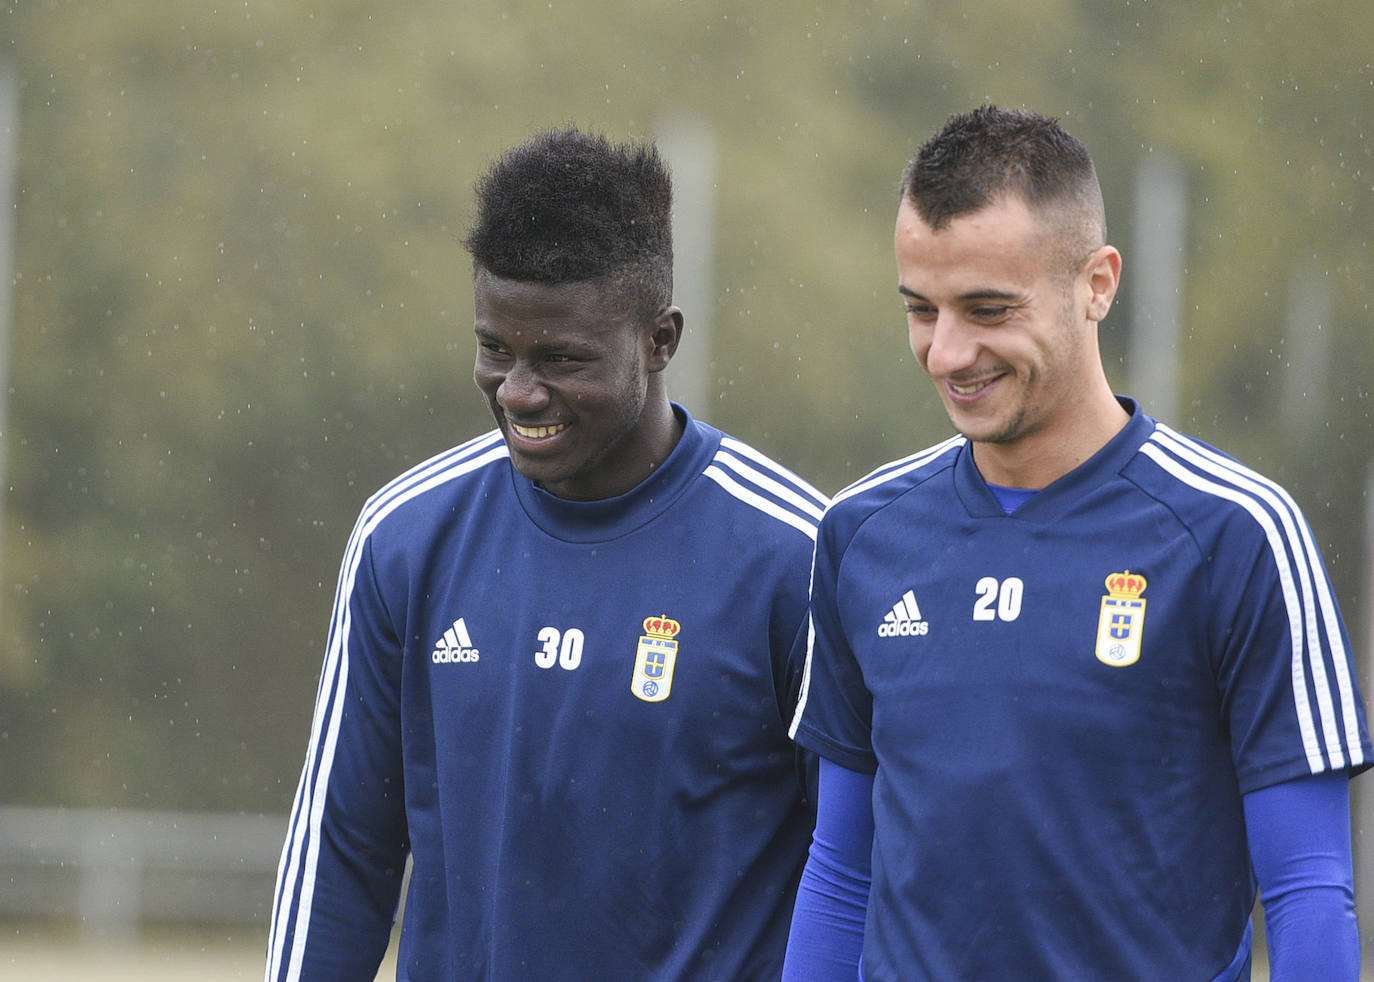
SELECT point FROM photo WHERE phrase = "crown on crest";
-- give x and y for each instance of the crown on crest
(662, 626)
(1126, 585)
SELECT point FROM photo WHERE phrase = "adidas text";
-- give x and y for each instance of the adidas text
(443, 656)
(903, 629)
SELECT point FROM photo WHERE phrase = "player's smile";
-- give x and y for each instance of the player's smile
(540, 439)
(538, 432)
(971, 391)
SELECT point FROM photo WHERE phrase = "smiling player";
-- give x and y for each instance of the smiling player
(1075, 675)
(563, 654)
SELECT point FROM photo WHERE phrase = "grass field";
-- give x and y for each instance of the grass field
(28, 953)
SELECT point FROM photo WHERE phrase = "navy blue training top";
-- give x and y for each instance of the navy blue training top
(1063, 706)
(572, 716)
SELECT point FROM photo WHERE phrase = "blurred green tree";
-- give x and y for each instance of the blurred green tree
(241, 305)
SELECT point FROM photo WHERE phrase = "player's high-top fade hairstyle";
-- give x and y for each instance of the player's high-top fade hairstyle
(569, 206)
(990, 152)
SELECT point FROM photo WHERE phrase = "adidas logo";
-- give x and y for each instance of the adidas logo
(904, 619)
(454, 646)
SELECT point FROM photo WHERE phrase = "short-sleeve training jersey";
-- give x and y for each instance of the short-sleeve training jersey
(572, 714)
(1063, 706)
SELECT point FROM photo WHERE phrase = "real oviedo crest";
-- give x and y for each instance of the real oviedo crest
(1122, 620)
(655, 659)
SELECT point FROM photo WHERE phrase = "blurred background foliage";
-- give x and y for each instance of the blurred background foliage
(240, 303)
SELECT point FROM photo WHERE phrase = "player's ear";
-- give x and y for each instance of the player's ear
(1102, 273)
(664, 335)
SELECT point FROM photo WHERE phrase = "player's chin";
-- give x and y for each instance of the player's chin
(983, 421)
(979, 430)
(967, 421)
(547, 468)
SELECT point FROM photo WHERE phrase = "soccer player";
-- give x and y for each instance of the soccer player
(563, 655)
(1078, 680)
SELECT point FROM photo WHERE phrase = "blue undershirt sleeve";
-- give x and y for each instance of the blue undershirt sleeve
(832, 900)
(1299, 835)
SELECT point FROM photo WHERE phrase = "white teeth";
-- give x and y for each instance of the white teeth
(967, 390)
(538, 432)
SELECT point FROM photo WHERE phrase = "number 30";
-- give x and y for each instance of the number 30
(563, 649)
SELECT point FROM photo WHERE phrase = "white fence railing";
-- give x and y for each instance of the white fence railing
(112, 870)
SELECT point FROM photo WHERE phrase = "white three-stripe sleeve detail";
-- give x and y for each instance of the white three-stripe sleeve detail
(897, 469)
(481, 450)
(780, 490)
(763, 504)
(290, 858)
(1311, 745)
(806, 677)
(1308, 563)
(810, 647)
(308, 809)
(805, 488)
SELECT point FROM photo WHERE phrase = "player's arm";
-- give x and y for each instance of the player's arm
(1299, 835)
(342, 864)
(788, 672)
(1266, 571)
(832, 900)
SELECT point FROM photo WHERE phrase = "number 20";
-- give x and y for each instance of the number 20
(563, 649)
(1005, 594)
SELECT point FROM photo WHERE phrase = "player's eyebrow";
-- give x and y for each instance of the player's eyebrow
(558, 346)
(988, 294)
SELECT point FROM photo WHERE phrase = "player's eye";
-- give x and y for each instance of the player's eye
(990, 312)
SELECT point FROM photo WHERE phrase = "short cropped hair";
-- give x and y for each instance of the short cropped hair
(981, 156)
(569, 206)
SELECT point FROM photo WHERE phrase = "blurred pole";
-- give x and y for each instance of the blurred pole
(108, 902)
(1362, 790)
(1156, 275)
(1308, 340)
(9, 167)
(689, 148)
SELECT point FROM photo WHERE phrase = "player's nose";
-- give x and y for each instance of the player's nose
(949, 347)
(522, 391)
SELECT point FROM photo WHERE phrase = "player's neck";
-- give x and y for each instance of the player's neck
(1039, 458)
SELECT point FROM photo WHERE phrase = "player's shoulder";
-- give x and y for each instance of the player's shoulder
(1204, 486)
(433, 481)
(756, 482)
(894, 479)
